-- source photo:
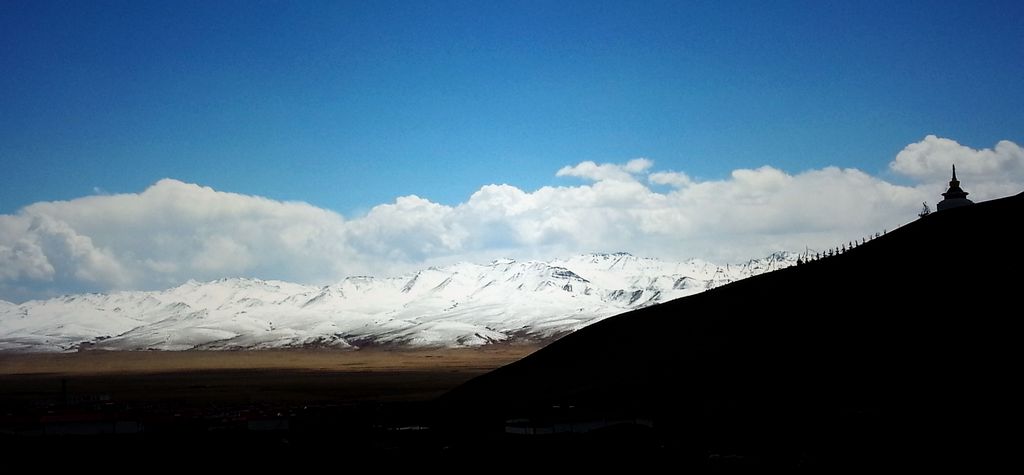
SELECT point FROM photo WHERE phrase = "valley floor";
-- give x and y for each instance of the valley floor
(271, 376)
(311, 360)
(100, 402)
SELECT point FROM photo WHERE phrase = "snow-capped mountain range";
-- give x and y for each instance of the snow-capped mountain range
(458, 305)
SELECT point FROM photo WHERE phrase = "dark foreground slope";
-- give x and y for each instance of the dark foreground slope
(903, 350)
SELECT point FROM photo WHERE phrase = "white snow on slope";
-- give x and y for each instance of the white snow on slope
(459, 305)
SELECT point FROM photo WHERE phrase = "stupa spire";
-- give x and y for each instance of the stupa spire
(954, 196)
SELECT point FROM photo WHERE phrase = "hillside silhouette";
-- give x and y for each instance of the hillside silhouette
(901, 351)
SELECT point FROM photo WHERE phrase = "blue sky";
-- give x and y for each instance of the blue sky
(349, 106)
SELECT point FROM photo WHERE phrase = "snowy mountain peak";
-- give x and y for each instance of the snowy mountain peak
(610, 255)
(462, 304)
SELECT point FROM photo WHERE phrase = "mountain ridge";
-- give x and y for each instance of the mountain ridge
(898, 352)
(463, 304)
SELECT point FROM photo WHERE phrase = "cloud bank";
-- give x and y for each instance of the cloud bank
(175, 231)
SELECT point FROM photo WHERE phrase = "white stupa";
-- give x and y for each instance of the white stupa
(954, 197)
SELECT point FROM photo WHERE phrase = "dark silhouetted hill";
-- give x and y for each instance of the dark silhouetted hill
(904, 350)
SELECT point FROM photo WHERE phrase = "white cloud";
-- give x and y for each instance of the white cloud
(174, 231)
(675, 179)
(638, 165)
(931, 160)
(24, 259)
(170, 232)
(411, 229)
(607, 171)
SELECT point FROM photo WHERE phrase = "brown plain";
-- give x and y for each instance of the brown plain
(106, 362)
(200, 377)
